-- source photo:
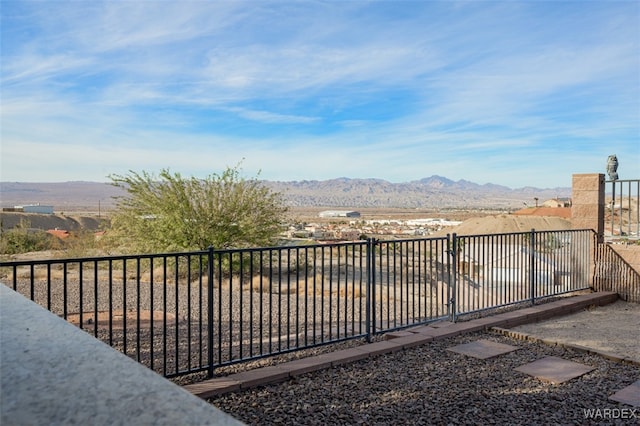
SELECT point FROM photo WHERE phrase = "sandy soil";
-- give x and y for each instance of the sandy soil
(613, 328)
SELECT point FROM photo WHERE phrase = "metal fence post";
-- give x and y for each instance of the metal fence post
(370, 309)
(532, 266)
(210, 312)
(452, 275)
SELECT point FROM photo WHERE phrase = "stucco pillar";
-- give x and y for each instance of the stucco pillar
(587, 204)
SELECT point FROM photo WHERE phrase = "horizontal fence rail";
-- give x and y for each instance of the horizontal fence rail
(622, 209)
(185, 313)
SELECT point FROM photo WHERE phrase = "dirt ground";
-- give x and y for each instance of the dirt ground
(613, 328)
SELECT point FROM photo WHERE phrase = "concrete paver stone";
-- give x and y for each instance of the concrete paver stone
(629, 395)
(555, 370)
(482, 349)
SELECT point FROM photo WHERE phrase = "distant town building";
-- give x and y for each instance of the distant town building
(557, 202)
(339, 213)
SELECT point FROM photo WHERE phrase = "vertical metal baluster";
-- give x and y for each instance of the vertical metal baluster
(164, 314)
(251, 325)
(81, 294)
(48, 285)
(299, 264)
(210, 312)
(189, 331)
(176, 272)
(230, 327)
(315, 299)
(138, 309)
(152, 315)
(322, 295)
(124, 304)
(95, 298)
(64, 290)
(261, 314)
(279, 299)
(110, 267)
(271, 310)
(338, 274)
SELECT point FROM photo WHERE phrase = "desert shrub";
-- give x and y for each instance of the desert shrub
(81, 244)
(168, 213)
(23, 239)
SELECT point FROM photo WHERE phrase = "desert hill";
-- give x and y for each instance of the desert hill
(9, 220)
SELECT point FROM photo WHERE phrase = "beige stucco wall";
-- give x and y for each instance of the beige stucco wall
(587, 209)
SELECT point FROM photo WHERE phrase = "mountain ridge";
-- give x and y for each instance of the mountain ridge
(429, 192)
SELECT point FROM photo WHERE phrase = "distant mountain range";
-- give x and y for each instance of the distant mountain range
(435, 192)
(431, 192)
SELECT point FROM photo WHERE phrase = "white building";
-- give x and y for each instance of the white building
(35, 208)
(339, 213)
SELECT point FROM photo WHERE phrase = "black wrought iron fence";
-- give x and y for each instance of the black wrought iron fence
(622, 209)
(182, 313)
(496, 270)
(409, 282)
(152, 308)
(275, 300)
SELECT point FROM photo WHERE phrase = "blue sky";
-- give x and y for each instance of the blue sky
(518, 93)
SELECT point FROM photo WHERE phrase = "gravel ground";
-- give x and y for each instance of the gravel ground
(431, 385)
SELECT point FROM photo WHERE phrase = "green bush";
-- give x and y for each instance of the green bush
(168, 212)
(24, 240)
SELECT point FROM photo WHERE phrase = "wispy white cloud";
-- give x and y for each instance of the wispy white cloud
(270, 117)
(485, 91)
